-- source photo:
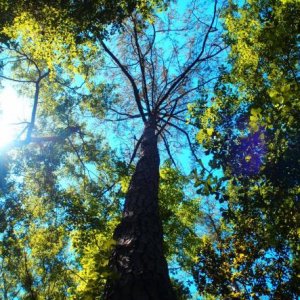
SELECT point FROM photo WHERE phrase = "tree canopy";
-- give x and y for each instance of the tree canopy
(251, 128)
(82, 218)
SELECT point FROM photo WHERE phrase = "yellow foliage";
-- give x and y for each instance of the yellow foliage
(94, 260)
(210, 131)
(125, 181)
(49, 42)
(46, 242)
(200, 136)
(248, 158)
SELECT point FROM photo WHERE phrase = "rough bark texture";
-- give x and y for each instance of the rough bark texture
(138, 260)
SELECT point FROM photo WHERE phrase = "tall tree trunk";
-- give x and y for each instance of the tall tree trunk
(138, 261)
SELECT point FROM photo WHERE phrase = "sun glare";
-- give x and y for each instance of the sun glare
(13, 111)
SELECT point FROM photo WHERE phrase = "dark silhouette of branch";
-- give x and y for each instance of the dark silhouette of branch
(122, 119)
(24, 55)
(165, 130)
(177, 118)
(185, 94)
(198, 59)
(168, 149)
(17, 80)
(151, 43)
(28, 279)
(142, 66)
(189, 142)
(185, 133)
(169, 117)
(35, 104)
(77, 153)
(125, 114)
(130, 78)
(152, 67)
(178, 112)
(179, 97)
(42, 139)
(135, 150)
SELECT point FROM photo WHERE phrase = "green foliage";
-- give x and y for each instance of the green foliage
(179, 213)
(57, 224)
(59, 196)
(61, 229)
(53, 34)
(34, 239)
(255, 141)
(60, 201)
(181, 292)
(83, 18)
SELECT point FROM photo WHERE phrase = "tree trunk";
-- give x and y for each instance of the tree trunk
(138, 261)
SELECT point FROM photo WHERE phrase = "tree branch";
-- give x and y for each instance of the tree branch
(125, 114)
(17, 80)
(135, 150)
(198, 59)
(189, 142)
(130, 78)
(168, 149)
(35, 104)
(142, 66)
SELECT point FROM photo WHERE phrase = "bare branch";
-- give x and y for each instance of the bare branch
(125, 114)
(20, 123)
(177, 118)
(130, 78)
(26, 56)
(189, 142)
(169, 117)
(198, 59)
(168, 149)
(179, 97)
(142, 66)
(121, 119)
(17, 80)
(41, 139)
(77, 154)
(152, 72)
(135, 150)
(35, 104)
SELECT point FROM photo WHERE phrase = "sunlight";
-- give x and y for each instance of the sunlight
(14, 109)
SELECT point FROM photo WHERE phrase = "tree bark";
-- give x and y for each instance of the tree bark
(138, 262)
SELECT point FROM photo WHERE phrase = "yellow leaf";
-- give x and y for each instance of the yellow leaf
(248, 158)
(200, 136)
(210, 131)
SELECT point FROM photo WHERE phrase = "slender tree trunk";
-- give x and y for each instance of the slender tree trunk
(138, 260)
